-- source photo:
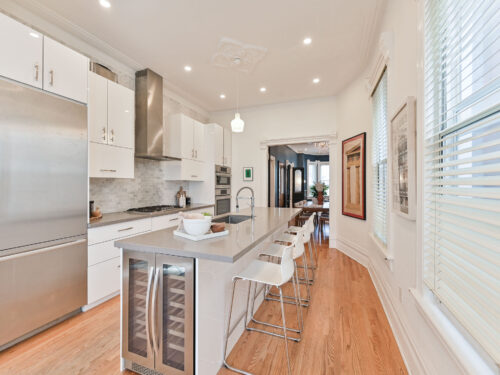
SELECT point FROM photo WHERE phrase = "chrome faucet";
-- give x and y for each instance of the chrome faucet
(252, 199)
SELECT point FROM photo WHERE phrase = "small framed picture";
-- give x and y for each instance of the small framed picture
(248, 174)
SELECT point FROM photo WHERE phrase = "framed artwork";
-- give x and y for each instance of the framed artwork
(248, 174)
(354, 176)
(403, 161)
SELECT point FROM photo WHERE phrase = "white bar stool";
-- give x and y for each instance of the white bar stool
(309, 224)
(266, 273)
(276, 251)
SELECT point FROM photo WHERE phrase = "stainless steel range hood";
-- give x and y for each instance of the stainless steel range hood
(149, 130)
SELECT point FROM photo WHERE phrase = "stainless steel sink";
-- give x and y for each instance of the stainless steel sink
(231, 219)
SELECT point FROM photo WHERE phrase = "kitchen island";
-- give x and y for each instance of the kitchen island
(176, 293)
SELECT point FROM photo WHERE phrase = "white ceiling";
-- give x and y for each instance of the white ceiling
(166, 35)
(309, 148)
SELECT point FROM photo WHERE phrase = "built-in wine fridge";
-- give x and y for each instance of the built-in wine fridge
(158, 314)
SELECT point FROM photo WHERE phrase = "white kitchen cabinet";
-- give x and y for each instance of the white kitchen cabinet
(164, 221)
(185, 138)
(107, 161)
(185, 170)
(219, 144)
(98, 108)
(227, 147)
(103, 279)
(121, 107)
(65, 72)
(22, 52)
(198, 141)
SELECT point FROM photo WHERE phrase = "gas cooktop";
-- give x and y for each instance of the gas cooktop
(149, 209)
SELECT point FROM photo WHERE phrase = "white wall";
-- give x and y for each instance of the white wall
(428, 344)
(305, 118)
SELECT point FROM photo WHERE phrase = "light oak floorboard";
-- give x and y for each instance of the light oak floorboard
(346, 332)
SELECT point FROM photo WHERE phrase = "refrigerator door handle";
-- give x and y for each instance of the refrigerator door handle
(156, 343)
(148, 298)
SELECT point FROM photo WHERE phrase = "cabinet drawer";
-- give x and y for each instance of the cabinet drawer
(101, 252)
(116, 231)
(163, 222)
(110, 162)
(103, 279)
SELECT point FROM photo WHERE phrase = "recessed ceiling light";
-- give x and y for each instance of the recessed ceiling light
(263, 89)
(187, 68)
(222, 96)
(105, 3)
(316, 80)
(34, 35)
(307, 41)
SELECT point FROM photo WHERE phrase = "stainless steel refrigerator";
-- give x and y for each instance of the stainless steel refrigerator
(43, 209)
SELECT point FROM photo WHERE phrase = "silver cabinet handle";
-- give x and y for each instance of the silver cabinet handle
(148, 298)
(174, 219)
(108, 170)
(104, 133)
(36, 67)
(51, 82)
(125, 229)
(112, 137)
(193, 175)
(156, 342)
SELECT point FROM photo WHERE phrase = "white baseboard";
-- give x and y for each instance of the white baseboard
(98, 302)
(397, 320)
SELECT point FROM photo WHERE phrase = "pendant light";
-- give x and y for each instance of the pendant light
(237, 125)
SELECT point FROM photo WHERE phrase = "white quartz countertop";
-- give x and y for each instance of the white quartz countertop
(242, 237)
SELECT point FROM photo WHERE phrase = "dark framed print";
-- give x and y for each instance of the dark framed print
(354, 176)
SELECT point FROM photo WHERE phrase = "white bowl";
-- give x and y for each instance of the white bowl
(196, 227)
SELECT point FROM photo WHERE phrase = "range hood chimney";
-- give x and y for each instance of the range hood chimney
(149, 131)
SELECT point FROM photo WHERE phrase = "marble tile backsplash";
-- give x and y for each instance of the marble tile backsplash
(148, 188)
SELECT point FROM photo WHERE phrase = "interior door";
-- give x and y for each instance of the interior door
(137, 281)
(298, 184)
(173, 322)
(281, 184)
(288, 185)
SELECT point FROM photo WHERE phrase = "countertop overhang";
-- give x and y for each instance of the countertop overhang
(242, 237)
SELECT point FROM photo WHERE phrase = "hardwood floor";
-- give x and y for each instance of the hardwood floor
(346, 332)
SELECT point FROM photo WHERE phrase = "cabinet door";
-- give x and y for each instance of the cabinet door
(22, 52)
(98, 108)
(174, 314)
(187, 137)
(137, 287)
(65, 71)
(219, 144)
(103, 279)
(227, 147)
(121, 106)
(192, 170)
(198, 140)
(110, 162)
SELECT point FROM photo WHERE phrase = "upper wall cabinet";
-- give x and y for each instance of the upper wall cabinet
(110, 112)
(36, 60)
(185, 138)
(64, 71)
(22, 52)
(227, 147)
(219, 144)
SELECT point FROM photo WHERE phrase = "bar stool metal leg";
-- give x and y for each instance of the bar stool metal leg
(284, 332)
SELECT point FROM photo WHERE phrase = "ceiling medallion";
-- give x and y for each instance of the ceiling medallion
(229, 50)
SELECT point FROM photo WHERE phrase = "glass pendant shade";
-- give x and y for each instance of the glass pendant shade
(237, 125)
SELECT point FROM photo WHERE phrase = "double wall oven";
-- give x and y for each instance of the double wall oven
(222, 190)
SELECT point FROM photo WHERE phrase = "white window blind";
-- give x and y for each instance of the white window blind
(462, 163)
(379, 160)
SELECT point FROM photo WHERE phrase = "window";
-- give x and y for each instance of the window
(318, 171)
(462, 164)
(379, 186)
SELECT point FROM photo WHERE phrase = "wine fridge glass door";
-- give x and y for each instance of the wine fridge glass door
(175, 326)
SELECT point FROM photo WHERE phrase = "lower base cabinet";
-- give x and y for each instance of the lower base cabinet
(158, 313)
(103, 279)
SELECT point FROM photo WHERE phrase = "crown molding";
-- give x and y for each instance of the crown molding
(330, 138)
